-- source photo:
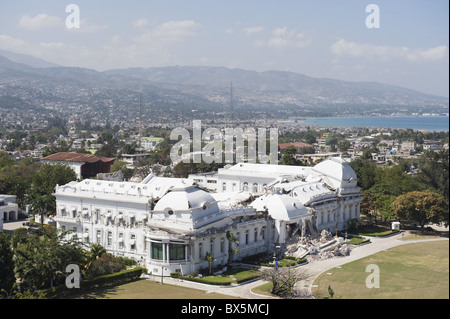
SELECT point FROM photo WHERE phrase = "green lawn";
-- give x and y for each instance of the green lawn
(264, 289)
(410, 271)
(233, 276)
(148, 289)
(376, 231)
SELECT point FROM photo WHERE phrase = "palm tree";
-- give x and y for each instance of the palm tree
(96, 250)
(210, 260)
(231, 239)
(39, 203)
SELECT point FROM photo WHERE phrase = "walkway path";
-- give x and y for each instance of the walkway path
(314, 268)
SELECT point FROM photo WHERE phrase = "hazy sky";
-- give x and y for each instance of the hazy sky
(322, 38)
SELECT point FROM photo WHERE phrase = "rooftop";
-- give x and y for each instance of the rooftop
(283, 146)
(76, 157)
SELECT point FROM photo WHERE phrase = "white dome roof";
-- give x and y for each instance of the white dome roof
(280, 206)
(338, 171)
(187, 199)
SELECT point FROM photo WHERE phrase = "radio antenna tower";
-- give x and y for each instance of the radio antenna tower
(140, 122)
(231, 103)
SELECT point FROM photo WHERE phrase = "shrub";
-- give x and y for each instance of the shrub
(210, 280)
(113, 279)
(104, 265)
(239, 275)
(127, 261)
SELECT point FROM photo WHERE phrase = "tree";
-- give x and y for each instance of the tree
(288, 157)
(104, 265)
(210, 260)
(422, 207)
(5, 161)
(366, 172)
(231, 240)
(384, 208)
(284, 280)
(39, 203)
(62, 147)
(39, 260)
(344, 145)
(17, 180)
(44, 183)
(122, 166)
(434, 171)
(109, 147)
(107, 150)
(394, 181)
(330, 292)
(6, 265)
(95, 252)
(368, 204)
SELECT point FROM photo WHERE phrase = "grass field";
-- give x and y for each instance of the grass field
(410, 271)
(148, 289)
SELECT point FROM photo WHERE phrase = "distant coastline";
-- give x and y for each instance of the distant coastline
(422, 123)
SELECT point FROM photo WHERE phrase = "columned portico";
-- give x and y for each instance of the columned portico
(167, 255)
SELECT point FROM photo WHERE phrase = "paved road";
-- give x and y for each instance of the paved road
(10, 226)
(314, 268)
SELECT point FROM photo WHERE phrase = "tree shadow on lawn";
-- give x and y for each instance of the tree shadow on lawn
(97, 293)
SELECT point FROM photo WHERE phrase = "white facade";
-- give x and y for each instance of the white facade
(328, 190)
(170, 224)
(9, 210)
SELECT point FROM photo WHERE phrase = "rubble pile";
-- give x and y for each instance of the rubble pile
(323, 247)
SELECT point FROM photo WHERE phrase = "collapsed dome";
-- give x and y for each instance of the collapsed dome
(281, 207)
(338, 171)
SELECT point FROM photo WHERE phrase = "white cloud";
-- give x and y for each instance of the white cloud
(387, 53)
(169, 32)
(176, 29)
(284, 38)
(52, 45)
(40, 21)
(140, 23)
(88, 27)
(252, 30)
(56, 52)
(12, 44)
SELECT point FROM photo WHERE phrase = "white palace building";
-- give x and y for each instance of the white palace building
(169, 224)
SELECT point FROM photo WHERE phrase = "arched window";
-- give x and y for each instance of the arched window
(255, 187)
(245, 188)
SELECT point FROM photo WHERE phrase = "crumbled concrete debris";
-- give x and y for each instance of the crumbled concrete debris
(321, 247)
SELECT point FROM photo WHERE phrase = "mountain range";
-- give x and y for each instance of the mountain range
(184, 89)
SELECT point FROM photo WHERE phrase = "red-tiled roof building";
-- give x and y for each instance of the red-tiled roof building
(297, 145)
(84, 165)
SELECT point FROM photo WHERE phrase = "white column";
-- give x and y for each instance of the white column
(149, 252)
(168, 253)
(164, 252)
